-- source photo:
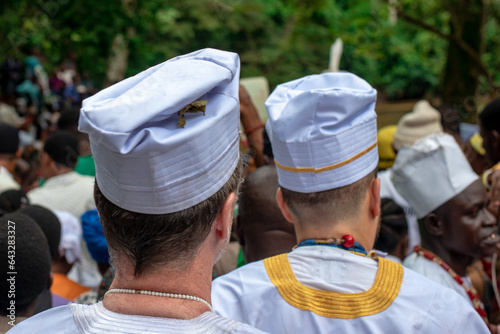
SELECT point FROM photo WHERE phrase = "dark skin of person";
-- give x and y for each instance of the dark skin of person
(478, 162)
(261, 229)
(491, 144)
(462, 229)
(264, 241)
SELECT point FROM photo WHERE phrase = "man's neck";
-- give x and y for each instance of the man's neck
(457, 262)
(196, 280)
(336, 231)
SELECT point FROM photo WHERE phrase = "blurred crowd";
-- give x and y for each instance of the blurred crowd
(47, 177)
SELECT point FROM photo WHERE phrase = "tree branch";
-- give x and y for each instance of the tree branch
(454, 38)
(423, 25)
(493, 10)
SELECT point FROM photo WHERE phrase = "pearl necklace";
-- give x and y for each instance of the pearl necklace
(160, 294)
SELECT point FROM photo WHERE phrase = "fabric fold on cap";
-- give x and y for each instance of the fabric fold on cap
(431, 172)
(145, 161)
(323, 131)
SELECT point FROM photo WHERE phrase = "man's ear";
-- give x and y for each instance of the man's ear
(433, 224)
(284, 209)
(224, 220)
(375, 197)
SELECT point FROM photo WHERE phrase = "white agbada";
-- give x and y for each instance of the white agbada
(69, 192)
(95, 318)
(321, 289)
(7, 181)
(436, 273)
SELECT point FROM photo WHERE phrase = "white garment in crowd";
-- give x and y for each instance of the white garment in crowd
(73, 193)
(69, 192)
(387, 190)
(436, 273)
(321, 289)
(7, 181)
(95, 318)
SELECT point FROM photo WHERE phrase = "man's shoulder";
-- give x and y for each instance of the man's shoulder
(7, 182)
(432, 305)
(248, 283)
(60, 320)
(419, 266)
(83, 179)
(56, 320)
(250, 274)
(418, 287)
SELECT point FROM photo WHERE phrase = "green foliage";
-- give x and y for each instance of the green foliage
(279, 39)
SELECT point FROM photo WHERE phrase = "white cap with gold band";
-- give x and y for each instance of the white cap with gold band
(323, 130)
(167, 138)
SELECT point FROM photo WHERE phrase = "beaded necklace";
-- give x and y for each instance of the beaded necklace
(161, 294)
(346, 243)
(474, 297)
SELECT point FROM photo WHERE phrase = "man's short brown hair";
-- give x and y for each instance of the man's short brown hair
(149, 240)
(340, 203)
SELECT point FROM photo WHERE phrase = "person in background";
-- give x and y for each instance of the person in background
(451, 204)
(63, 189)
(253, 128)
(451, 122)
(8, 113)
(9, 154)
(324, 135)
(69, 252)
(261, 229)
(393, 234)
(166, 184)
(95, 240)
(51, 228)
(386, 153)
(97, 245)
(476, 155)
(489, 129)
(69, 122)
(423, 120)
(31, 265)
(12, 200)
(66, 190)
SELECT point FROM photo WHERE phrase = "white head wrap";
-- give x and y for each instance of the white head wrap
(431, 172)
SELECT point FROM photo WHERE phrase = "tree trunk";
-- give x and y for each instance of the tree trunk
(461, 76)
(117, 61)
(118, 58)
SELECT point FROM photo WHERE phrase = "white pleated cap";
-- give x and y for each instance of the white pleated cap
(145, 161)
(323, 130)
(431, 172)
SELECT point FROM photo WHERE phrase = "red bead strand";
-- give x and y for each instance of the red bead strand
(474, 297)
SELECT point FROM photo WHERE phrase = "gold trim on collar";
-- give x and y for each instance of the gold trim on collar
(335, 304)
(326, 168)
